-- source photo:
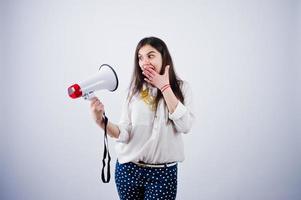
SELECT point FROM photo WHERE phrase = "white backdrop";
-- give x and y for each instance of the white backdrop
(240, 58)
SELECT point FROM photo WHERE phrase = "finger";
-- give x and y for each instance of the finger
(149, 67)
(147, 74)
(97, 105)
(147, 80)
(94, 102)
(144, 73)
(151, 71)
(93, 99)
(100, 108)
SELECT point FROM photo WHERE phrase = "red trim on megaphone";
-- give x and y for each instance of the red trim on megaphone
(74, 91)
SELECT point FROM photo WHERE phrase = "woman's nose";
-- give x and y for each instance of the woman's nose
(145, 61)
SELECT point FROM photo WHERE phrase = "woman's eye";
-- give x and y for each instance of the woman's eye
(151, 56)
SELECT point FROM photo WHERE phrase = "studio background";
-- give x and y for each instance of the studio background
(241, 58)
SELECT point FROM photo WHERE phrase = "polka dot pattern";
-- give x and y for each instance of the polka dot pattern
(145, 183)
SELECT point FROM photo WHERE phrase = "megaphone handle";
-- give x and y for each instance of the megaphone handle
(105, 153)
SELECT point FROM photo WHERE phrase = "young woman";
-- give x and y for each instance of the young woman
(156, 113)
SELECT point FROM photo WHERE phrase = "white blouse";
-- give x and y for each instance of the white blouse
(147, 136)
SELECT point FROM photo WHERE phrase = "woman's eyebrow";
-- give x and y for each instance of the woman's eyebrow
(139, 54)
(151, 52)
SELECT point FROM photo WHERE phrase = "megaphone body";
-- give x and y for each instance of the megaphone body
(106, 78)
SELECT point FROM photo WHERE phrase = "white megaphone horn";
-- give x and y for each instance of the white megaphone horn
(106, 78)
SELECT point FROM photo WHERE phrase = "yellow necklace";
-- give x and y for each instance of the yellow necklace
(148, 98)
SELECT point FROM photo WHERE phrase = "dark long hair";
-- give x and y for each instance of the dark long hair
(138, 78)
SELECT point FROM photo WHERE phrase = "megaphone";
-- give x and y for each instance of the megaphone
(106, 78)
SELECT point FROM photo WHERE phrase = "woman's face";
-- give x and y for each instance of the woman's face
(149, 57)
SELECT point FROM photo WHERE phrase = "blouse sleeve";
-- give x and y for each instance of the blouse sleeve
(183, 115)
(125, 124)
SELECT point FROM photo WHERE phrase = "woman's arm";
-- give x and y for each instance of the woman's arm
(170, 99)
(112, 129)
(183, 115)
(97, 109)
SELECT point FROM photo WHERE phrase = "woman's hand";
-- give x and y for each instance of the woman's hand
(97, 109)
(156, 79)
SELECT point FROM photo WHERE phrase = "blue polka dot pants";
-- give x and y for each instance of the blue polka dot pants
(145, 183)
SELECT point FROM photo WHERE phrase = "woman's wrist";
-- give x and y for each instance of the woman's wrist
(101, 123)
(164, 87)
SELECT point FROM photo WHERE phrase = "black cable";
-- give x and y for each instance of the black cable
(105, 153)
